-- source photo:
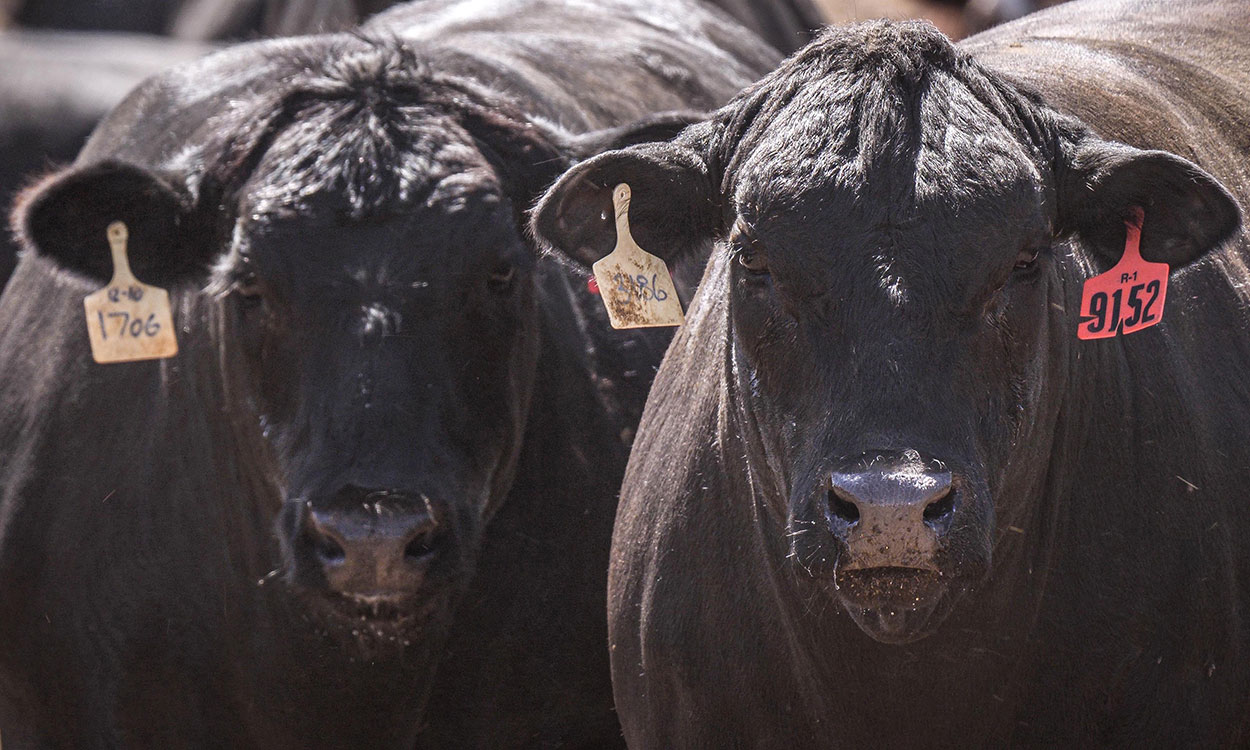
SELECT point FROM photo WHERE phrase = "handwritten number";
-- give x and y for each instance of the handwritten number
(640, 287)
(125, 316)
(660, 294)
(134, 328)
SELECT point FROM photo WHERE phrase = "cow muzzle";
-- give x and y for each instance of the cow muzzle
(890, 514)
(376, 549)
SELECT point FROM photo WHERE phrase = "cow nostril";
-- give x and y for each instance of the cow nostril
(422, 545)
(328, 550)
(843, 509)
(940, 510)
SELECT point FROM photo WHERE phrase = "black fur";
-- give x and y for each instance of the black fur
(359, 314)
(905, 226)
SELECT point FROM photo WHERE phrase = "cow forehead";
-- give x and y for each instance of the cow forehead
(459, 226)
(368, 166)
(936, 147)
(891, 187)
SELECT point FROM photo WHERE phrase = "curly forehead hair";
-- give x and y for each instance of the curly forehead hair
(862, 89)
(370, 122)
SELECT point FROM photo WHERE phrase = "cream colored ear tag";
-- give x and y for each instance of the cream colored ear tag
(128, 320)
(636, 287)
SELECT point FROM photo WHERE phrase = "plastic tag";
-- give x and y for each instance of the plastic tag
(1127, 298)
(635, 285)
(128, 320)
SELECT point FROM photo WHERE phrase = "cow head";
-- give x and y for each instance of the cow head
(357, 240)
(902, 240)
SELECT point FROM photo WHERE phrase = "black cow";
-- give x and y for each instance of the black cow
(982, 14)
(786, 24)
(55, 88)
(882, 495)
(264, 541)
(195, 19)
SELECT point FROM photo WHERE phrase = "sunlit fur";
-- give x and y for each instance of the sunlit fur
(905, 227)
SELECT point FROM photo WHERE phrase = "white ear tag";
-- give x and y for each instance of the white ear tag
(636, 287)
(128, 320)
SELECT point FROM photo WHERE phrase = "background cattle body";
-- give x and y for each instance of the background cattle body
(196, 19)
(888, 327)
(783, 23)
(55, 89)
(57, 86)
(202, 550)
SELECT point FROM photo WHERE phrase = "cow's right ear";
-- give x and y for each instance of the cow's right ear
(672, 210)
(65, 216)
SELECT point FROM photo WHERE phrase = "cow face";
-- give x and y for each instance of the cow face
(385, 357)
(902, 240)
(374, 303)
(390, 358)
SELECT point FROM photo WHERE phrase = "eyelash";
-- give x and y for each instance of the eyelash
(1029, 262)
(746, 250)
(754, 262)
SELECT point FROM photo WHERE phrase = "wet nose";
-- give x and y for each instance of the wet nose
(381, 545)
(892, 511)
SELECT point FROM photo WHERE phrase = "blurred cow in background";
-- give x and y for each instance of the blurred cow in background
(55, 88)
(393, 435)
(58, 84)
(982, 14)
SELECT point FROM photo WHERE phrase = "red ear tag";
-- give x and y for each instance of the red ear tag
(1127, 298)
(593, 285)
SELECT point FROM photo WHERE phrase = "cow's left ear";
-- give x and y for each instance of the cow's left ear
(1187, 211)
(672, 208)
(64, 218)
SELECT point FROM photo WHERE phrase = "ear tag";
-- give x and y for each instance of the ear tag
(128, 320)
(636, 287)
(1127, 298)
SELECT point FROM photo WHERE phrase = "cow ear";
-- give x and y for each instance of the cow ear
(672, 209)
(65, 216)
(1187, 211)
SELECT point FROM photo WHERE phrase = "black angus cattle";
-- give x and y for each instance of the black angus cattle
(982, 14)
(194, 19)
(947, 15)
(882, 495)
(786, 24)
(55, 88)
(263, 541)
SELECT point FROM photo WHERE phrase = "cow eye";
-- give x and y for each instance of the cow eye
(753, 261)
(746, 249)
(1027, 260)
(501, 278)
(247, 284)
